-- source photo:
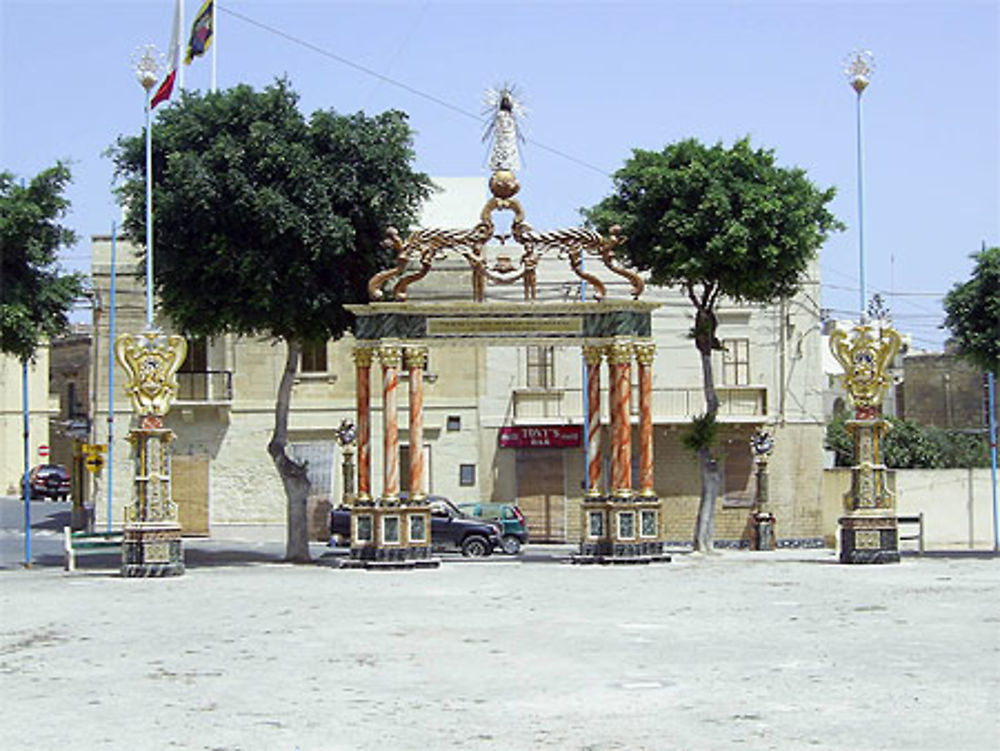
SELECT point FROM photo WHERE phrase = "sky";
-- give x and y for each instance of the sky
(599, 79)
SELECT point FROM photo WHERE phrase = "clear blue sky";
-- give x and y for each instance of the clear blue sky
(599, 79)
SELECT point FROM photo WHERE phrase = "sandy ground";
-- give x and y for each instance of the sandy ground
(785, 650)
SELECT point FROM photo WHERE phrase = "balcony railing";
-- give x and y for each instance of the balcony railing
(205, 386)
(669, 404)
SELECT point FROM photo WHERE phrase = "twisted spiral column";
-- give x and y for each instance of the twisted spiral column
(619, 360)
(644, 355)
(391, 357)
(416, 361)
(593, 356)
(362, 392)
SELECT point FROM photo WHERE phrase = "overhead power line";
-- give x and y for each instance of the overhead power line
(399, 84)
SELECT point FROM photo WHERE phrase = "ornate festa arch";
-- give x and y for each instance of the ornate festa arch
(394, 332)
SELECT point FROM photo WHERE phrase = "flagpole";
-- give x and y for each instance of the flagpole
(215, 48)
(180, 29)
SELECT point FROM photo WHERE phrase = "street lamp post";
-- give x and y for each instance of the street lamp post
(858, 67)
(148, 67)
(152, 543)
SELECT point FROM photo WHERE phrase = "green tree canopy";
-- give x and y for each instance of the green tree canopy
(716, 221)
(268, 223)
(973, 312)
(35, 296)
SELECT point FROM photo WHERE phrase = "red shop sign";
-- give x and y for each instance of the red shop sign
(541, 437)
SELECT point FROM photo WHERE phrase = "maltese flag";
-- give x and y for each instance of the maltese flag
(167, 86)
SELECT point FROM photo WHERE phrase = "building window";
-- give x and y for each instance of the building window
(314, 357)
(454, 423)
(466, 475)
(736, 362)
(541, 373)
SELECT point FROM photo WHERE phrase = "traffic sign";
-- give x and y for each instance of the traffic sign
(43, 451)
(94, 448)
(94, 462)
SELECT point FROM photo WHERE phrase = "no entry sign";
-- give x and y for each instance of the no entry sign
(43, 451)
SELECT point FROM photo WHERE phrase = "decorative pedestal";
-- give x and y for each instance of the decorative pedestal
(873, 539)
(764, 537)
(868, 532)
(619, 530)
(391, 536)
(152, 539)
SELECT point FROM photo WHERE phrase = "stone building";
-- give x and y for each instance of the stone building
(770, 374)
(942, 390)
(40, 410)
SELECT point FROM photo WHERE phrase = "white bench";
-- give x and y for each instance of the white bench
(81, 542)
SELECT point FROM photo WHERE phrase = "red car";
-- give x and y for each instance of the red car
(49, 481)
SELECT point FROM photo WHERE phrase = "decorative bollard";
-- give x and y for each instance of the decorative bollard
(763, 521)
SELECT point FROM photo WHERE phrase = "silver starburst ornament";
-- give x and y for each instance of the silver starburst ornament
(503, 107)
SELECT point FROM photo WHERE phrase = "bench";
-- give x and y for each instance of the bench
(915, 519)
(80, 542)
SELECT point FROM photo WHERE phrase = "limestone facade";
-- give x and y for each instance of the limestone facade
(771, 374)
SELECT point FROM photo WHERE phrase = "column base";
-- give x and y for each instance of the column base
(152, 551)
(869, 539)
(622, 531)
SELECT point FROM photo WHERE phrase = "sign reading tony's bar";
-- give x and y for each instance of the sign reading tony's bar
(541, 437)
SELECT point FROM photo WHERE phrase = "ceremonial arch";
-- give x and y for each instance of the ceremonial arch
(620, 522)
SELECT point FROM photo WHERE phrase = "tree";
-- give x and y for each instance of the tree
(716, 222)
(910, 445)
(267, 224)
(973, 312)
(35, 296)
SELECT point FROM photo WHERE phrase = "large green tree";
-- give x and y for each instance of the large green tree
(35, 296)
(716, 222)
(267, 223)
(973, 312)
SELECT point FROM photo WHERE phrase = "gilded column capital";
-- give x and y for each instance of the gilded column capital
(415, 357)
(593, 353)
(391, 355)
(363, 356)
(619, 352)
(645, 353)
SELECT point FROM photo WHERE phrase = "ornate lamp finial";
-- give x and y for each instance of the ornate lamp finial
(858, 67)
(148, 64)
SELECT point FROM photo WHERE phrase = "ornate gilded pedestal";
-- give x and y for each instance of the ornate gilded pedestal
(152, 539)
(868, 532)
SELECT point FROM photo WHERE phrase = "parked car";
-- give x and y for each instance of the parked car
(450, 529)
(49, 481)
(513, 525)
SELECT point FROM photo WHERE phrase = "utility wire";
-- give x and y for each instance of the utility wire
(399, 84)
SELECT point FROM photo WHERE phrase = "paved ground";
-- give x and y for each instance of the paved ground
(785, 650)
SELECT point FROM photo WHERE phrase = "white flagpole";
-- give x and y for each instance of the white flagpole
(215, 47)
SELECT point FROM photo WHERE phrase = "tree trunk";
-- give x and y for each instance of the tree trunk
(704, 529)
(293, 473)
